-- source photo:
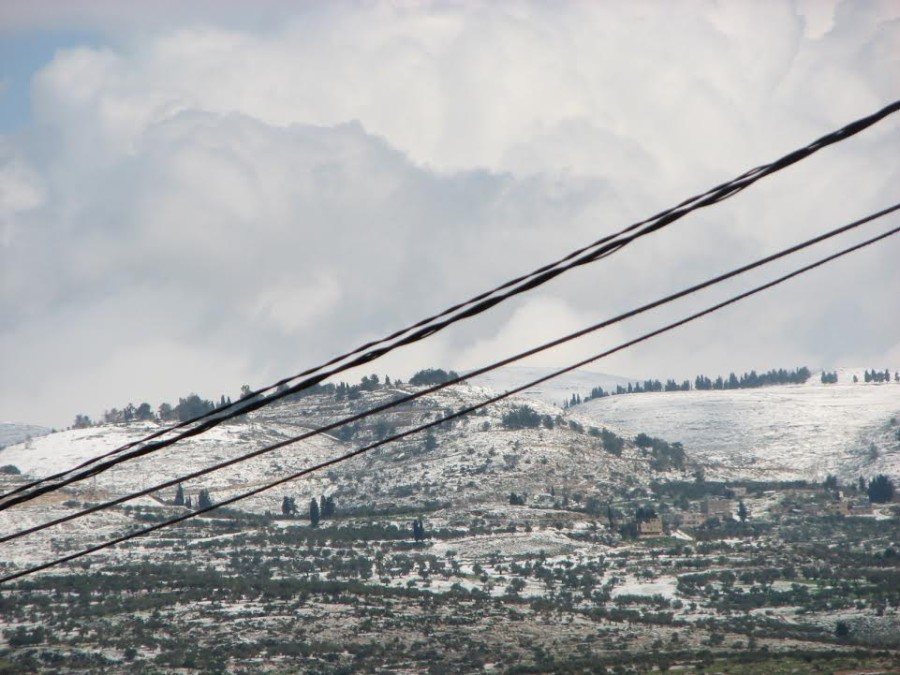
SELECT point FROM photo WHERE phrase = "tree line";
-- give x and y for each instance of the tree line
(880, 376)
(748, 380)
(193, 405)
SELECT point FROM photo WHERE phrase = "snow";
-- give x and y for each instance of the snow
(12, 433)
(554, 391)
(781, 432)
(667, 587)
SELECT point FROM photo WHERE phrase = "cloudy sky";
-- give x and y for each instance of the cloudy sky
(195, 196)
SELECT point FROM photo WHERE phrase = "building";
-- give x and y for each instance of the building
(693, 519)
(650, 528)
(715, 507)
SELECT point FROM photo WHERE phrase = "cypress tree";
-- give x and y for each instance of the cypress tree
(881, 489)
(203, 500)
(314, 513)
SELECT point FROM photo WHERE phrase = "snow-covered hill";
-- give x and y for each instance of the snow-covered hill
(475, 460)
(554, 391)
(12, 433)
(781, 432)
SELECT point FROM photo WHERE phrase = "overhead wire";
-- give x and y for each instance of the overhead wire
(462, 412)
(418, 331)
(543, 347)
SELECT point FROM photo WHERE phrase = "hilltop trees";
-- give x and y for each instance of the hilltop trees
(179, 496)
(753, 379)
(188, 408)
(191, 407)
(432, 376)
(144, 412)
(703, 383)
(82, 422)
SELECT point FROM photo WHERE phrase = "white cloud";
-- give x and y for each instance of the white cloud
(21, 191)
(280, 193)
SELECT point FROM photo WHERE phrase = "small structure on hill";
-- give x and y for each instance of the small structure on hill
(715, 507)
(650, 528)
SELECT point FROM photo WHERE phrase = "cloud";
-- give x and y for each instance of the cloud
(254, 200)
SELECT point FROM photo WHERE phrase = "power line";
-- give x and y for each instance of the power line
(438, 387)
(469, 409)
(426, 327)
(460, 413)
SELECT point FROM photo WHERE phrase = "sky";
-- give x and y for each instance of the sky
(197, 196)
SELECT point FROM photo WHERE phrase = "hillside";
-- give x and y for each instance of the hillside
(772, 433)
(471, 463)
(553, 391)
(610, 556)
(12, 433)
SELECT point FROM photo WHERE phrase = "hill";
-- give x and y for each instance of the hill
(611, 558)
(771, 433)
(554, 391)
(474, 462)
(12, 433)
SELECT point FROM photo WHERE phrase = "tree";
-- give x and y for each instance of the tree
(522, 417)
(743, 513)
(82, 422)
(516, 500)
(179, 496)
(204, 501)
(418, 530)
(191, 407)
(431, 376)
(326, 506)
(166, 412)
(369, 383)
(288, 506)
(881, 489)
(644, 514)
(144, 412)
(314, 513)
(831, 483)
(841, 629)
(187, 503)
